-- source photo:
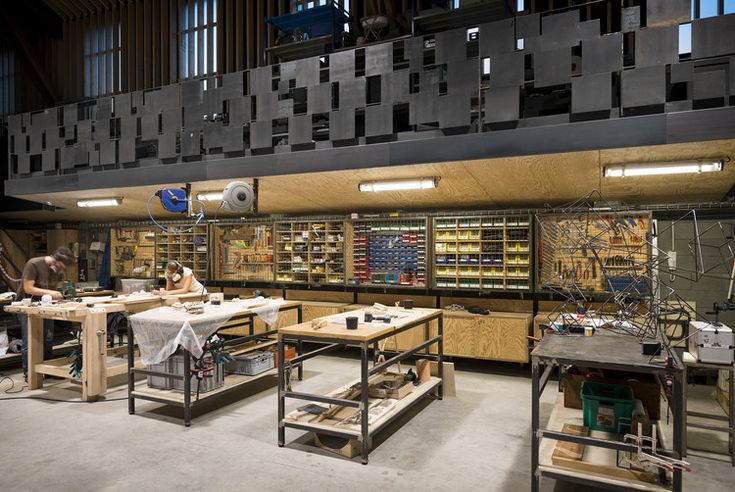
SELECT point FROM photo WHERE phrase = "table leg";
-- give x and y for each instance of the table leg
(535, 396)
(678, 411)
(440, 352)
(35, 351)
(187, 388)
(131, 367)
(364, 404)
(299, 351)
(732, 416)
(94, 355)
(281, 390)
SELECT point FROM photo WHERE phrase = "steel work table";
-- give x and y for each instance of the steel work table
(95, 364)
(232, 382)
(367, 335)
(604, 350)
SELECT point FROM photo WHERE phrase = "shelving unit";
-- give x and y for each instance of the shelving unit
(488, 252)
(188, 248)
(132, 252)
(244, 251)
(310, 252)
(389, 252)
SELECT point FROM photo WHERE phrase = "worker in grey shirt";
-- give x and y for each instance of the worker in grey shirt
(41, 276)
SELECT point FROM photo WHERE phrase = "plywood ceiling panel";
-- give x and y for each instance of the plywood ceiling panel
(487, 183)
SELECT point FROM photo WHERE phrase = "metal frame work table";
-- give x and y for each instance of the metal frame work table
(232, 382)
(365, 336)
(95, 367)
(691, 363)
(604, 350)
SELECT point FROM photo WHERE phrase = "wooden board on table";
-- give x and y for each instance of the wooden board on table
(318, 295)
(391, 299)
(570, 450)
(317, 309)
(502, 305)
(364, 331)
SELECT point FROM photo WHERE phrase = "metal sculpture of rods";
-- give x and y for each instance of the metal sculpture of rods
(590, 254)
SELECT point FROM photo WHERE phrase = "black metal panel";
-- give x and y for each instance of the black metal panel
(101, 131)
(352, 93)
(342, 124)
(128, 127)
(190, 143)
(630, 19)
(126, 150)
(171, 121)
(239, 111)
(394, 87)
(108, 153)
(643, 87)
(232, 138)
(232, 85)
(149, 126)
(589, 29)
(451, 45)
(667, 12)
(378, 59)
(213, 136)
(422, 109)
(66, 159)
(104, 108)
(299, 129)
(560, 30)
(502, 105)
(70, 114)
(287, 71)
(48, 160)
(713, 36)
(528, 26)
(378, 120)
(681, 72)
(552, 67)
(319, 98)
(454, 112)
(261, 80)
(94, 158)
(266, 105)
(691, 126)
(122, 105)
(261, 134)
(732, 76)
(506, 70)
(24, 163)
(603, 54)
(463, 77)
(342, 66)
(84, 131)
(307, 72)
(657, 46)
(709, 85)
(415, 53)
(591, 92)
(498, 37)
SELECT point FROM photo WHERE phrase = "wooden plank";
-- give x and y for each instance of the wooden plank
(94, 361)
(319, 295)
(570, 450)
(499, 336)
(364, 331)
(511, 305)
(391, 299)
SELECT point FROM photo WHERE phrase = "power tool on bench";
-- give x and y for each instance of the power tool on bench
(68, 290)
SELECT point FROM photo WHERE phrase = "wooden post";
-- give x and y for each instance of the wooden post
(94, 354)
(35, 337)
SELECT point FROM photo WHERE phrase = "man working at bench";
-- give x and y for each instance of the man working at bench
(41, 276)
(180, 280)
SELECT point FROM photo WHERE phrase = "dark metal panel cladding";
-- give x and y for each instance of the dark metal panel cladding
(394, 87)
(643, 87)
(48, 160)
(502, 104)
(451, 45)
(126, 150)
(668, 12)
(552, 67)
(307, 72)
(232, 138)
(261, 134)
(319, 99)
(190, 143)
(261, 80)
(463, 77)
(108, 153)
(560, 30)
(232, 85)
(713, 36)
(342, 124)
(378, 59)
(506, 70)
(299, 129)
(592, 92)
(657, 46)
(528, 26)
(352, 93)
(149, 126)
(681, 72)
(378, 120)
(498, 37)
(709, 84)
(603, 54)
(342, 66)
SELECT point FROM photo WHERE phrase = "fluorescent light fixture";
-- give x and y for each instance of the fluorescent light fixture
(658, 168)
(100, 202)
(399, 184)
(210, 196)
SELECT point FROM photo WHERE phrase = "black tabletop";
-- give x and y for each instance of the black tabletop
(604, 349)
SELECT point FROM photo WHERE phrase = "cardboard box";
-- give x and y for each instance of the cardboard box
(349, 448)
(645, 388)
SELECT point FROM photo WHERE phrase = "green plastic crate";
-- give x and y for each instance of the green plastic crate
(603, 405)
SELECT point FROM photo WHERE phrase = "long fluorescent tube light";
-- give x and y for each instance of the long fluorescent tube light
(210, 196)
(399, 184)
(100, 202)
(658, 168)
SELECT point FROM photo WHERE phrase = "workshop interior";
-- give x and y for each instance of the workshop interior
(329, 244)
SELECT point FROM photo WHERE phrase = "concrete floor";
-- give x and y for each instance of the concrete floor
(478, 440)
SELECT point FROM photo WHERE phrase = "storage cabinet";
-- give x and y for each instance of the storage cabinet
(310, 252)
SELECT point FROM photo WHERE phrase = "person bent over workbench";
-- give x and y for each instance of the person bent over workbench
(180, 280)
(41, 276)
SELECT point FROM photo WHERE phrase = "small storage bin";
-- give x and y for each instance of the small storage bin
(160, 382)
(129, 285)
(603, 405)
(252, 363)
(212, 380)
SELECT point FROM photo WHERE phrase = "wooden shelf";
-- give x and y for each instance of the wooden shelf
(592, 455)
(232, 381)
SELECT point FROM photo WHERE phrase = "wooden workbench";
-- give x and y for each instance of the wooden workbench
(97, 363)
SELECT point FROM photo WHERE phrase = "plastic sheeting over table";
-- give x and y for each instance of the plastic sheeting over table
(158, 332)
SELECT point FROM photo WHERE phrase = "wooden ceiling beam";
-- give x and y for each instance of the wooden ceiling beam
(61, 10)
